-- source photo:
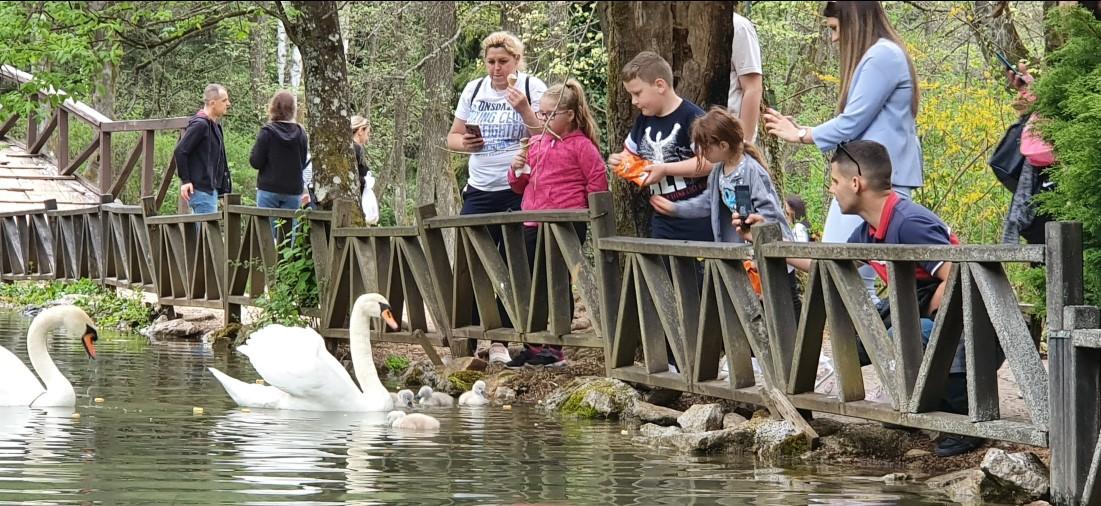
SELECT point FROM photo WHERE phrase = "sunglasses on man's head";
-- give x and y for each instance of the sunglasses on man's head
(841, 147)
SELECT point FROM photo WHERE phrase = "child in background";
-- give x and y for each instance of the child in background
(796, 211)
(662, 135)
(559, 170)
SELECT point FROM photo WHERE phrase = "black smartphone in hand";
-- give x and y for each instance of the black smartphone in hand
(1005, 62)
(744, 202)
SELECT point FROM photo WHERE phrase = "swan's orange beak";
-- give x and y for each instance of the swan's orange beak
(89, 338)
(388, 317)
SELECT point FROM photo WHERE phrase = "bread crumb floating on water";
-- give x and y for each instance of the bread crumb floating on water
(76, 416)
(99, 400)
(246, 410)
(260, 381)
(197, 411)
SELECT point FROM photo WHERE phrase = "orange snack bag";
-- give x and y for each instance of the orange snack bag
(632, 168)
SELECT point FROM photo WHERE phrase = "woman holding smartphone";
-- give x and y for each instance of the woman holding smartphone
(879, 102)
(495, 112)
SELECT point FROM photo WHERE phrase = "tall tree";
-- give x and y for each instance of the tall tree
(315, 28)
(994, 29)
(695, 38)
(435, 178)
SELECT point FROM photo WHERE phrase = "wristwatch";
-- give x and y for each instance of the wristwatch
(802, 133)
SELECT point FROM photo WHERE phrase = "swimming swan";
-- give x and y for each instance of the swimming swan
(476, 396)
(303, 374)
(403, 398)
(412, 421)
(426, 397)
(19, 386)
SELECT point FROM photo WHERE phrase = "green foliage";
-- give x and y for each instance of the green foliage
(292, 283)
(1069, 98)
(396, 364)
(104, 305)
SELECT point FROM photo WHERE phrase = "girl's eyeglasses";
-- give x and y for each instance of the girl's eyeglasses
(547, 116)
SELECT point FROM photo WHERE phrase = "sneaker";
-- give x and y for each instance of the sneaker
(548, 357)
(951, 445)
(523, 357)
(724, 368)
(499, 353)
(673, 369)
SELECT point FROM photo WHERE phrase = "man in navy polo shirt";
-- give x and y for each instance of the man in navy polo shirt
(860, 180)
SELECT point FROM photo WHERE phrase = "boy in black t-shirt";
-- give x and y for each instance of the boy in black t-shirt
(662, 135)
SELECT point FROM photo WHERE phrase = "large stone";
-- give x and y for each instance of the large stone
(973, 486)
(172, 329)
(714, 440)
(654, 430)
(591, 397)
(732, 420)
(421, 373)
(655, 414)
(863, 440)
(1021, 471)
(504, 395)
(779, 439)
(702, 418)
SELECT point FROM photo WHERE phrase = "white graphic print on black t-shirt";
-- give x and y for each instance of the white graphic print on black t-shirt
(668, 139)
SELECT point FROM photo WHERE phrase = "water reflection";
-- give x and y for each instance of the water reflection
(144, 444)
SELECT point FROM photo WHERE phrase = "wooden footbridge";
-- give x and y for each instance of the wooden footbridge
(642, 295)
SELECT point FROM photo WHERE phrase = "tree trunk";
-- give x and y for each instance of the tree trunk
(435, 179)
(995, 32)
(257, 50)
(281, 53)
(316, 30)
(695, 38)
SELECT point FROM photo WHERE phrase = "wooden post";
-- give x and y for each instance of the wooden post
(147, 162)
(232, 230)
(106, 171)
(602, 225)
(104, 236)
(434, 246)
(62, 154)
(1073, 374)
(780, 318)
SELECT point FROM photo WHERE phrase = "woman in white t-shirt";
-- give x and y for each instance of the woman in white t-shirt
(494, 113)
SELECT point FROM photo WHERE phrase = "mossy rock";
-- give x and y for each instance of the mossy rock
(463, 381)
(592, 397)
(229, 332)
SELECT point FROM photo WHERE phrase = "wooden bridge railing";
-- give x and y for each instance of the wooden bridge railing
(104, 130)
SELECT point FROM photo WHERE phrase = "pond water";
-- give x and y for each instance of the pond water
(145, 444)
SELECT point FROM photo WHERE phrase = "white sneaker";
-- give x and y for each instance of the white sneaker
(673, 369)
(724, 368)
(499, 353)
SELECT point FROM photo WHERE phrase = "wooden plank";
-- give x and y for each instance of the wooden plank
(131, 162)
(1013, 334)
(662, 307)
(777, 297)
(709, 332)
(484, 294)
(843, 336)
(418, 266)
(516, 256)
(628, 329)
(176, 123)
(738, 351)
(941, 350)
(906, 343)
(44, 136)
(668, 247)
(68, 170)
(869, 326)
(1087, 338)
(808, 341)
(905, 252)
(654, 339)
(503, 218)
(582, 274)
(980, 348)
(538, 305)
(559, 294)
(584, 340)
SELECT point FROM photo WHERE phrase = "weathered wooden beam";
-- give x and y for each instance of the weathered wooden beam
(906, 341)
(140, 125)
(486, 219)
(905, 252)
(667, 247)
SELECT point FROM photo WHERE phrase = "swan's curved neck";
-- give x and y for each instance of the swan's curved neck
(40, 357)
(359, 330)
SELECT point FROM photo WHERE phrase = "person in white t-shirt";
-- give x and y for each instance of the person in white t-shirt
(495, 112)
(746, 80)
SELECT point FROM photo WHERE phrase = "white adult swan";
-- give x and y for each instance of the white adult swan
(19, 386)
(303, 374)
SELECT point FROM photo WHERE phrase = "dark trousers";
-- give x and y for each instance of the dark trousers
(477, 201)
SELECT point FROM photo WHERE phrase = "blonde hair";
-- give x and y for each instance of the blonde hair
(859, 26)
(571, 97)
(648, 67)
(507, 41)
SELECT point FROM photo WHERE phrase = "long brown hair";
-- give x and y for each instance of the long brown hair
(859, 26)
(571, 97)
(719, 125)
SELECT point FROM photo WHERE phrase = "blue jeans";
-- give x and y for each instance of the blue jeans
(203, 202)
(272, 200)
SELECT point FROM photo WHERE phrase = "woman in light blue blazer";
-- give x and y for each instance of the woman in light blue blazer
(879, 102)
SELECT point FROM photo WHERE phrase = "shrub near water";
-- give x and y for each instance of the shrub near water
(104, 305)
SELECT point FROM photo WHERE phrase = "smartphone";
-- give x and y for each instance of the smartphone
(474, 130)
(1005, 62)
(744, 202)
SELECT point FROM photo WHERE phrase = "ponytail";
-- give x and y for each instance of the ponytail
(571, 97)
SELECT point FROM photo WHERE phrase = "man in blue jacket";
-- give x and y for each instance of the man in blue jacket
(201, 154)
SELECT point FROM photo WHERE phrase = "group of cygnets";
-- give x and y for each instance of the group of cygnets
(427, 398)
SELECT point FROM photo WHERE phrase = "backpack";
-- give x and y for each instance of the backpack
(1006, 160)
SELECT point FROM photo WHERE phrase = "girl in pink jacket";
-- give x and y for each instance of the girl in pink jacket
(558, 170)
